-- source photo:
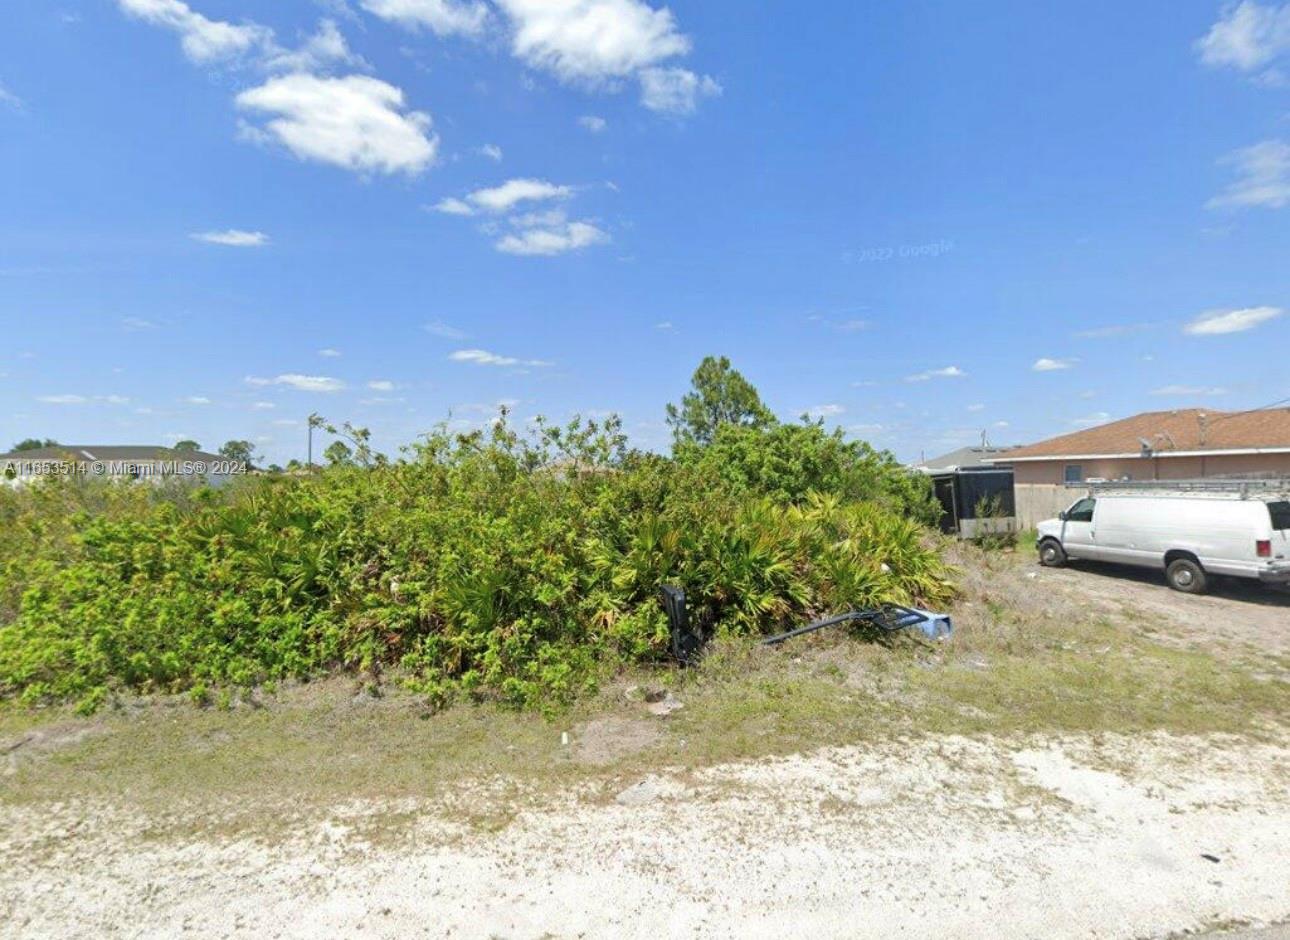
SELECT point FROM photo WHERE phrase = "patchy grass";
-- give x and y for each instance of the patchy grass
(1020, 662)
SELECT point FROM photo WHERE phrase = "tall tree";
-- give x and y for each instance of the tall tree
(188, 446)
(720, 395)
(338, 453)
(240, 451)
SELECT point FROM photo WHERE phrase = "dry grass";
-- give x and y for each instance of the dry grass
(1019, 662)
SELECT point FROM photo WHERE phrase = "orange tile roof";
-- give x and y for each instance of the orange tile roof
(1181, 430)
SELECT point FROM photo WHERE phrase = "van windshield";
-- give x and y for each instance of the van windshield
(1280, 513)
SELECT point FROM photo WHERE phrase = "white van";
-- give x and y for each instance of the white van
(1190, 534)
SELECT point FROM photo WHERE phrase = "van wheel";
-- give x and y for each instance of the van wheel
(1187, 576)
(1051, 554)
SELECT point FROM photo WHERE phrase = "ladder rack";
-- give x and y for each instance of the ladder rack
(1243, 488)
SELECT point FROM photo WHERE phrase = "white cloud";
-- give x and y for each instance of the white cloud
(492, 151)
(137, 324)
(381, 385)
(949, 372)
(1098, 417)
(1247, 36)
(263, 406)
(329, 353)
(1262, 177)
(666, 326)
(1045, 364)
(976, 407)
(10, 99)
(592, 40)
(197, 400)
(675, 91)
(1189, 391)
(233, 238)
(593, 123)
(203, 40)
(483, 357)
(325, 48)
(83, 399)
(505, 197)
(555, 240)
(1218, 322)
(443, 17)
(356, 122)
(303, 383)
(439, 328)
(824, 411)
(453, 206)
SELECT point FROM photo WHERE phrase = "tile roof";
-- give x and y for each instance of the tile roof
(1186, 429)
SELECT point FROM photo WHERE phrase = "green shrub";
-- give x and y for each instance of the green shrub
(483, 564)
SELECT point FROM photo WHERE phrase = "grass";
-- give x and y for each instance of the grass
(1019, 664)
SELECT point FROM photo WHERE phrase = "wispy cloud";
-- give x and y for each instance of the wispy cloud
(503, 198)
(438, 328)
(593, 123)
(10, 100)
(1219, 322)
(949, 372)
(676, 91)
(303, 383)
(137, 324)
(483, 357)
(1112, 330)
(1188, 391)
(329, 353)
(381, 385)
(552, 238)
(492, 152)
(232, 238)
(1088, 421)
(197, 400)
(1044, 364)
(1262, 177)
(825, 411)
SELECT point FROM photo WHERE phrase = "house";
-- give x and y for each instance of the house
(117, 463)
(1186, 444)
(967, 486)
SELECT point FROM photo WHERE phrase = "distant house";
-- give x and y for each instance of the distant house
(116, 463)
(967, 487)
(1186, 444)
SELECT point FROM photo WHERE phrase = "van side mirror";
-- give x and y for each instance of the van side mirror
(1062, 515)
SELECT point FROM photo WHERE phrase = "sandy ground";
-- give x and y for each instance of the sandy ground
(1236, 613)
(1118, 837)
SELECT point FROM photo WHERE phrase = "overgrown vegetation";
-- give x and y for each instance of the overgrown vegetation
(490, 564)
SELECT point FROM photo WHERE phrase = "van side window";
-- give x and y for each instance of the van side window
(1081, 511)
(1280, 513)
(1074, 473)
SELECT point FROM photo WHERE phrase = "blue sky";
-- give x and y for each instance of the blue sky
(919, 221)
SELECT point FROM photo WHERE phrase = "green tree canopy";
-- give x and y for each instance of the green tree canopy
(720, 395)
(338, 453)
(188, 446)
(241, 451)
(35, 443)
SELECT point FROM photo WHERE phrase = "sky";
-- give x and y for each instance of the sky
(920, 222)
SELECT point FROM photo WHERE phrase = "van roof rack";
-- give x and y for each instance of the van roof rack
(1218, 486)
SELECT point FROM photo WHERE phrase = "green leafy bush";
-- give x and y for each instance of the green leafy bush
(485, 564)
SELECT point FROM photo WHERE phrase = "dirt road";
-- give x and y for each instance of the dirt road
(952, 837)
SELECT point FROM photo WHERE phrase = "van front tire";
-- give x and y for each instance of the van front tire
(1051, 554)
(1187, 576)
